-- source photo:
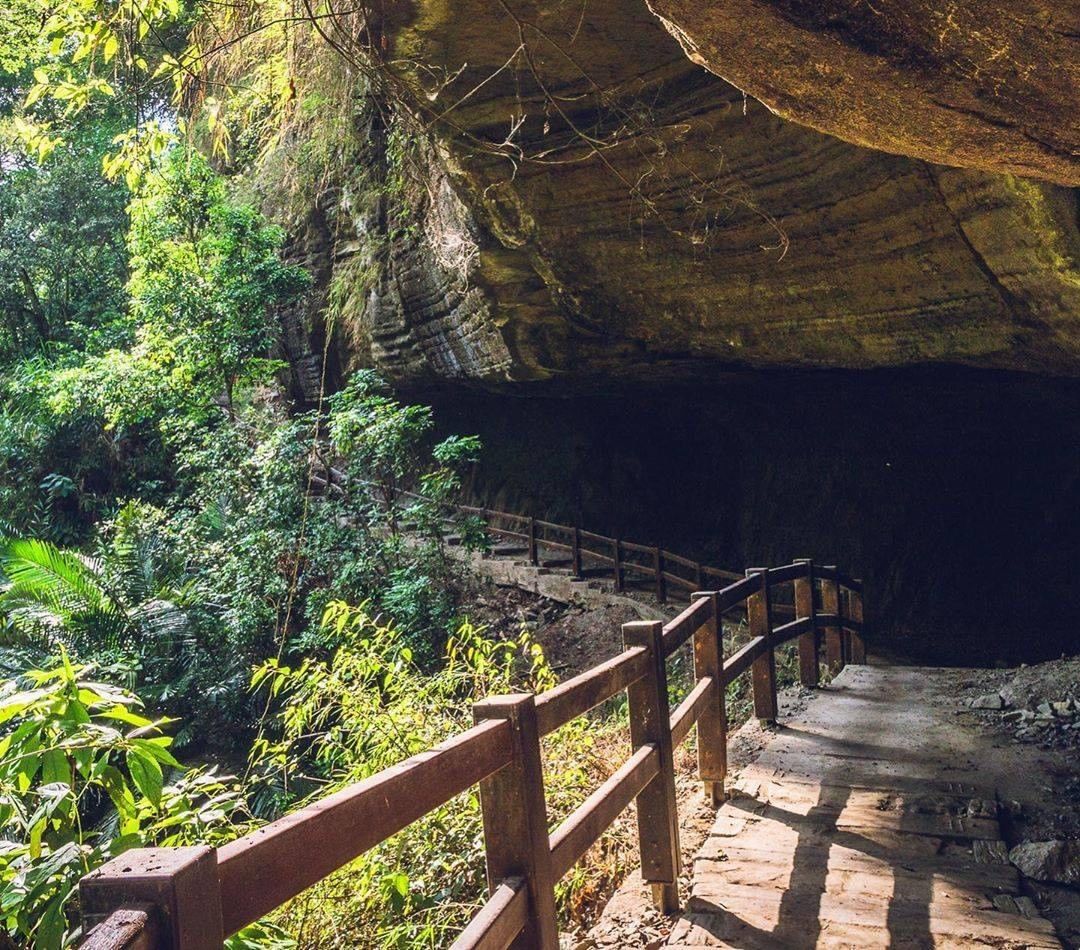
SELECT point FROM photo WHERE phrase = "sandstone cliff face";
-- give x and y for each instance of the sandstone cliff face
(991, 84)
(587, 203)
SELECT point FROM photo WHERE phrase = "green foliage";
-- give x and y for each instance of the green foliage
(84, 776)
(62, 255)
(367, 707)
(205, 275)
(18, 34)
(167, 519)
(87, 54)
(130, 600)
(58, 594)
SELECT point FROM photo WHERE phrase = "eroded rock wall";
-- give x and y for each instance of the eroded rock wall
(587, 203)
(990, 84)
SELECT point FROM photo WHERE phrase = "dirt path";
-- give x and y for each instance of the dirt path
(869, 820)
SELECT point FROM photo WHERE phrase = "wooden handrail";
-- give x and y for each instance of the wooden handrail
(137, 927)
(191, 898)
(499, 921)
(689, 710)
(659, 559)
(591, 819)
(587, 690)
(260, 871)
(685, 625)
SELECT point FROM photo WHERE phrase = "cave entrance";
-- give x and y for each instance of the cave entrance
(954, 493)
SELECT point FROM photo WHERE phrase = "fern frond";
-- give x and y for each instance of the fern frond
(47, 586)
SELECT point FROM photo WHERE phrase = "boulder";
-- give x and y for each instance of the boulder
(1057, 862)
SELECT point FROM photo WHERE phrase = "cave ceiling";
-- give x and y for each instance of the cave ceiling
(830, 185)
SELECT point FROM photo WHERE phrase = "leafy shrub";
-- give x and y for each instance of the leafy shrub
(83, 777)
(368, 707)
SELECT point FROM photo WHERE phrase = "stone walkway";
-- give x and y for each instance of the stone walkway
(870, 820)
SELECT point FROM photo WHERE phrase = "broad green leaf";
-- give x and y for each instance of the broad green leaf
(36, 832)
(50, 929)
(55, 767)
(153, 748)
(146, 774)
(122, 714)
(20, 702)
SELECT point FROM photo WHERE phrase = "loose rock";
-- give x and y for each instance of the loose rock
(1057, 862)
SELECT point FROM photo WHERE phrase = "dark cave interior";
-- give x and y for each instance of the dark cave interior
(954, 493)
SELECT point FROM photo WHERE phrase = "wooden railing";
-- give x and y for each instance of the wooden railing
(192, 898)
(622, 559)
(615, 556)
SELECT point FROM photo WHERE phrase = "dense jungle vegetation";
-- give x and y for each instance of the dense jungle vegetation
(214, 605)
(174, 580)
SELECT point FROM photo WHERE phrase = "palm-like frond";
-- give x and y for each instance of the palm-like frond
(47, 586)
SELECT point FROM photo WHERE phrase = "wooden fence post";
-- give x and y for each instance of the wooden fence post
(845, 633)
(619, 585)
(808, 642)
(577, 552)
(534, 556)
(858, 642)
(699, 575)
(657, 808)
(181, 884)
(661, 585)
(830, 604)
(712, 723)
(485, 517)
(763, 671)
(515, 819)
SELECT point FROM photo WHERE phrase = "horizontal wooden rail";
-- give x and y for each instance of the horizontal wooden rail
(735, 595)
(637, 548)
(685, 625)
(791, 630)
(689, 710)
(558, 544)
(137, 927)
(602, 558)
(787, 573)
(684, 582)
(679, 559)
(591, 819)
(742, 659)
(191, 898)
(552, 526)
(721, 573)
(587, 690)
(499, 921)
(593, 536)
(260, 871)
